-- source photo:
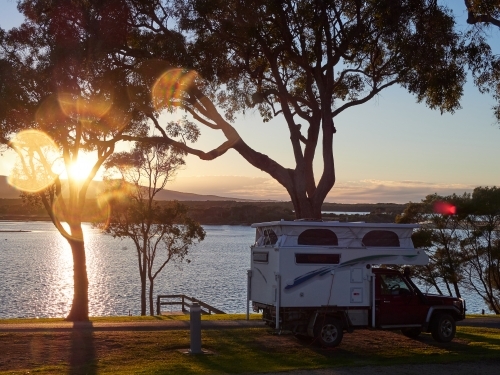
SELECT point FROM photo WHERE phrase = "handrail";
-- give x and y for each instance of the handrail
(184, 302)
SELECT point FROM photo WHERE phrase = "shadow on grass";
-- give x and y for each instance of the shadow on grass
(83, 357)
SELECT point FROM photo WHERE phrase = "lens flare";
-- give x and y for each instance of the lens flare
(87, 110)
(38, 161)
(170, 86)
(444, 208)
(116, 199)
(96, 211)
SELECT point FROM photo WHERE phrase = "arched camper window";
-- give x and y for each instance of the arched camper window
(270, 238)
(318, 237)
(381, 238)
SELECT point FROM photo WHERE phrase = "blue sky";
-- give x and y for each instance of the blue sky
(388, 150)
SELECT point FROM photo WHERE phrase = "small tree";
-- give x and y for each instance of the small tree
(481, 245)
(161, 232)
(439, 235)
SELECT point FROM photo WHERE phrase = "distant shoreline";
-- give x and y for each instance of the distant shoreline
(15, 231)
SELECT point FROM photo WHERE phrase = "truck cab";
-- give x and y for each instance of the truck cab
(399, 304)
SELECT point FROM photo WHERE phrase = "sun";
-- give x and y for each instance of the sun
(80, 169)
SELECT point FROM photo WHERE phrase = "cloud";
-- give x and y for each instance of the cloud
(360, 191)
(378, 191)
(259, 188)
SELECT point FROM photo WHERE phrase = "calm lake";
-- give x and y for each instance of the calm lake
(37, 274)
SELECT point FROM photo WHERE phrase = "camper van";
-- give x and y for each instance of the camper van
(321, 279)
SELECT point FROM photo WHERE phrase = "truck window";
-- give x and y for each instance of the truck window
(318, 237)
(381, 238)
(393, 285)
(317, 258)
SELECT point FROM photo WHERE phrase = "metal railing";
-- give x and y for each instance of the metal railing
(185, 303)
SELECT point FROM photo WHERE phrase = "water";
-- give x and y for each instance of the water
(37, 274)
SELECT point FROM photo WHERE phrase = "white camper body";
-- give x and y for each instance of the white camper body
(305, 264)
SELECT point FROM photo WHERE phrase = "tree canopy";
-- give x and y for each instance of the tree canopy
(307, 61)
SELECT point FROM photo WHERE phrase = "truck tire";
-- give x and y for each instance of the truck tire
(328, 331)
(443, 328)
(412, 333)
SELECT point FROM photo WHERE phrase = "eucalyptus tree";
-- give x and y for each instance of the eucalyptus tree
(60, 97)
(161, 232)
(307, 61)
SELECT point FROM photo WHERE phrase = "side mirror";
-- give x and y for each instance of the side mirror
(407, 272)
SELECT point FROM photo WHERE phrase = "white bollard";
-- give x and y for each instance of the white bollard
(195, 327)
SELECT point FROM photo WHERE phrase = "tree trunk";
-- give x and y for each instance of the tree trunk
(80, 308)
(305, 206)
(151, 291)
(457, 290)
(142, 272)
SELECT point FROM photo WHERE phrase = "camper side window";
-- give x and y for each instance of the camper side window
(318, 237)
(317, 258)
(381, 238)
(260, 257)
(270, 238)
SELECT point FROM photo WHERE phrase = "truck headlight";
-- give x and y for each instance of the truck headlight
(458, 304)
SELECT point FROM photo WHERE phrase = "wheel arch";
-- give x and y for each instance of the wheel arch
(434, 311)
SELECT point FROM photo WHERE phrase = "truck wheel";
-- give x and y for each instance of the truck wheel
(328, 331)
(412, 333)
(443, 328)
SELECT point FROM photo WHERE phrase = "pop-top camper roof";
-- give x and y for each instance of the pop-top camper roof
(333, 233)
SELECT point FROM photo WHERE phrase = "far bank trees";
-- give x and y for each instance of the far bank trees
(161, 233)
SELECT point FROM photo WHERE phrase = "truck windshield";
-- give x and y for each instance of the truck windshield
(393, 285)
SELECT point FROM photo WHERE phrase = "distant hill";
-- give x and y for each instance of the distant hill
(8, 192)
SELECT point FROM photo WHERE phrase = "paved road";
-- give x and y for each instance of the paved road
(160, 325)
(480, 322)
(166, 325)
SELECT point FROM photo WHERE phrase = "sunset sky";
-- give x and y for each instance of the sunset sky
(388, 150)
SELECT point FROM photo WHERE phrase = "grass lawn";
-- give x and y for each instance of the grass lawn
(84, 351)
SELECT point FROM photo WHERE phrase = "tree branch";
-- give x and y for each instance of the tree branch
(473, 19)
